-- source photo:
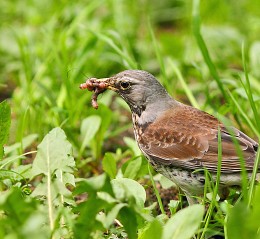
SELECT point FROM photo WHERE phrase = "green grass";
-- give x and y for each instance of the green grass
(82, 179)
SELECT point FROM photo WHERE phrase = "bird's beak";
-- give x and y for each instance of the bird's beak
(109, 83)
(102, 84)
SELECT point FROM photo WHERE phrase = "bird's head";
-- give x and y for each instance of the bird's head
(138, 88)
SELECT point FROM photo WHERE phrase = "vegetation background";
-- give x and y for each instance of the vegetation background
(65, 171)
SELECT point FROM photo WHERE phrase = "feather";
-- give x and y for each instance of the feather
(190, 140)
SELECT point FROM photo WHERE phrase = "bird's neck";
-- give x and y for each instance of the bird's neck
(147, 113)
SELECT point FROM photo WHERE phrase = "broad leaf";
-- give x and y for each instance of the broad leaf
(109, 165)
(131, 143)
(23, 216)
(89, 128)
(154, 230)
(54, 153)
(55, 163)
(133, 168)
(86, 222)
(128, 188)
(184, 223)
(127, 216)
(241, 223)
(92, 185)
(106, 197)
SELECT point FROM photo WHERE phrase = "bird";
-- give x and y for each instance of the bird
(179, 141)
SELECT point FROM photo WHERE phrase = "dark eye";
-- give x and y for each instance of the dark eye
(124, 85)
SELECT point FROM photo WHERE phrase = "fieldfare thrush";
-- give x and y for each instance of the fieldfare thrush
(176, 138)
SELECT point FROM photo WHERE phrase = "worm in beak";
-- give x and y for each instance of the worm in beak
(96, 85)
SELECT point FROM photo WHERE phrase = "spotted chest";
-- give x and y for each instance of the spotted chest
(138, 129)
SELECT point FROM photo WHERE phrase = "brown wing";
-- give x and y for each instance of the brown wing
(188, 138)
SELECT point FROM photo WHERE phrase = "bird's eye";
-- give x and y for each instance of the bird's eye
(124, 85)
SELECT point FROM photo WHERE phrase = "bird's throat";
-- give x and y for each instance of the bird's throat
(149, 113)
(138, 110)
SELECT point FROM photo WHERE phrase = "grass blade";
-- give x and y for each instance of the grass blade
(196, 24)
(186, 89)
(248, 90)
(156, 190)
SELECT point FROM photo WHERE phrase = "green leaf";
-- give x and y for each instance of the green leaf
(5, 122)
(154, 230)
(173, 206)
(24, 216)
(88, 129)
(165, 182)
(184, 223)
(127, 216)
(55, 162)
(241, 222)
(127, 188)
(109, 165)
(108, 219)
(133, 168)
(131, 143)
(106, 197)
(93, 185)
(26, 142)
(54, 153)
(10, 175)
(86, 222)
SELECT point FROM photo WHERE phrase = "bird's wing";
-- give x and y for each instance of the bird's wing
(188, 138)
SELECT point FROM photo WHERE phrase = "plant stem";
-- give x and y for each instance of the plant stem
(49, 197)
(156, 190)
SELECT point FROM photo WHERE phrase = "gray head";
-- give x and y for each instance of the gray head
(139, 89)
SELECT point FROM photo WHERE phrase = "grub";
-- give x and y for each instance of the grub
(98, 87)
